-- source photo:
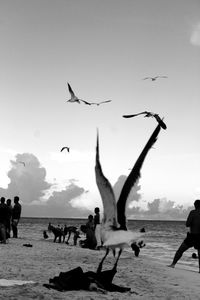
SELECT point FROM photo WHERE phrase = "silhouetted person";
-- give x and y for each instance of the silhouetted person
(16, 214)
(76, 237)
(90, 241)
(8, 223)
(193, 236)
(45, 235)
(97, 227)
(142, 229)
(3, 220)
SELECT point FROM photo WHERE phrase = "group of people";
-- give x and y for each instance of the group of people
(92, 229)
(9, 218)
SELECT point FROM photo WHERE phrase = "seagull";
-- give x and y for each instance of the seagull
(63, 148)
(154, 78)
(22, 162)
(114, 232)
(74, 98)
(147, 115)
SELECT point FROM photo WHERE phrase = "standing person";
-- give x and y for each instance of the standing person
(97, 227)
(16, 214)
(8, 223)
(193, 236)
(3, 220)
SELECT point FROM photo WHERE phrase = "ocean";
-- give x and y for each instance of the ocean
(162, 238)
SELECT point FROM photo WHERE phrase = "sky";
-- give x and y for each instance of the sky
(104, 49)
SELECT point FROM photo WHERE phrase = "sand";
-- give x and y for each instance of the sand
(148, 279)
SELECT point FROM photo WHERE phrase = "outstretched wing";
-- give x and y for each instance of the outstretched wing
(131, 116)
(147, 78)
(106, 192)
(70, 90)
(132, 178)
(87, 103)
(107, 101)
(98, 103)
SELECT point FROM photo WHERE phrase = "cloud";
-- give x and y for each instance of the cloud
(195, 36)
(161, 209)
(134, 193)
(27, 179)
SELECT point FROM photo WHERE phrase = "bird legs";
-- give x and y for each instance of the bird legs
(115, 265)
(116, 262)
(101, 263)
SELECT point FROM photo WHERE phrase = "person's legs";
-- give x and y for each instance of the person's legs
(183, 247)
(198, 250)
(3, 233)
(14, 229)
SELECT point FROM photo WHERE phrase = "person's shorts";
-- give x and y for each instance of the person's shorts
(192, 240)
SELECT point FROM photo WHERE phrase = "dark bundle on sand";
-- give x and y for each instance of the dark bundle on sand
(76, 279)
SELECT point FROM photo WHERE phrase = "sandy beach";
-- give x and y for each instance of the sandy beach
(147, 279)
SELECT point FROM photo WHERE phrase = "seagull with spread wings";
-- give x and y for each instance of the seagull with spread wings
(148, 114)
(63, 148)
(114, 231)
(154, 78)
(74, 98)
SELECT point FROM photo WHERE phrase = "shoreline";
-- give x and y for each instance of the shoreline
(148, 279)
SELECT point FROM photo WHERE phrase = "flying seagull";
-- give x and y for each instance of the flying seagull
(154, 78)
(74, 98)
(114, 232)
(22, 162)
(63, 148)
(147, 115)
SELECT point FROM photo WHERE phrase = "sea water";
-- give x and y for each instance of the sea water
(162, 238)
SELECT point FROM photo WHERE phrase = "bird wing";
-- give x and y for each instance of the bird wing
(105, 101)
(106, 192)
(160, 121)
(63, 148)
(70, 90)
(98, 103)
(88, 103)
(161, 76)
(131, 116)
(147, 78)
(132, 178)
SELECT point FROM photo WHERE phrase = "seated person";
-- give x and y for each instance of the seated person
(90, 241)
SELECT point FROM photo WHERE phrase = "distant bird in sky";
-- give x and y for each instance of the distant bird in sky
(63, 148)
(22, 162)
(147, 115)
(114, 232)
(74, 98)
(154, 78)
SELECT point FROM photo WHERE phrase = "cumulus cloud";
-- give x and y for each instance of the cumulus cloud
(133, 196)
(27, 179)
(161, 209)
(195, 36)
